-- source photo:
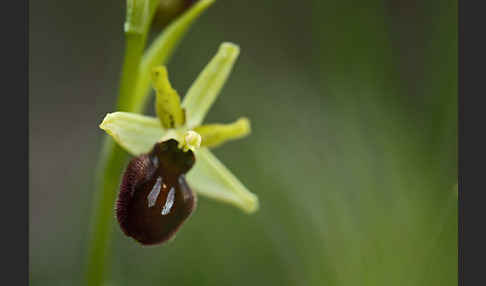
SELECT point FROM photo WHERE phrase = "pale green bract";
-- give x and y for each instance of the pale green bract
(209, 177)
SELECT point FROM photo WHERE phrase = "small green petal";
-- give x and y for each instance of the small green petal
(134, 132)
(163, 47)
(214, 135)
(209, 177)
(167, 100)
(203, 92)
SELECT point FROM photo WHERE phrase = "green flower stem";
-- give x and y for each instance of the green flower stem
(110, 165)
(133, 54)
(112, 161)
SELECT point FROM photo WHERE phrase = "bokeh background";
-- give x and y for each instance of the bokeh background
(353, 151)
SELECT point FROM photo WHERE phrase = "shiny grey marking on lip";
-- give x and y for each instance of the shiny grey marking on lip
(154, 193)
(170, 202)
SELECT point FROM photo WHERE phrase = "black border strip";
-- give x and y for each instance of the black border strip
(14, 211)
(472, 158)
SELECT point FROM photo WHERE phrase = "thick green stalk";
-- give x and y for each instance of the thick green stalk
(112, 161)
(111, 165)
(113, 157)
(133, 55)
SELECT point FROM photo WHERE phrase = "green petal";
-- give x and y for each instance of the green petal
(213, 135)
(134, 132)
(209, 177)
(163, 47)
(167, 100)
(203, 92)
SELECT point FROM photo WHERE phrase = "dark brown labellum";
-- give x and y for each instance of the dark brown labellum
(154, 198)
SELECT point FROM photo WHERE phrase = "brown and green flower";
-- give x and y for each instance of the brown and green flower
(182, 121)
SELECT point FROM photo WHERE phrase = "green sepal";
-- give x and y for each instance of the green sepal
(134, 132)
(206, 88)
(210, 178)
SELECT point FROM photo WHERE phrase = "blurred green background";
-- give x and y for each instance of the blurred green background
(353, 151)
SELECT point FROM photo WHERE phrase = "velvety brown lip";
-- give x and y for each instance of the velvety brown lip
(155, 199)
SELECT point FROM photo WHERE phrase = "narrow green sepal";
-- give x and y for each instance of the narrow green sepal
(206, 88)
(210, 178)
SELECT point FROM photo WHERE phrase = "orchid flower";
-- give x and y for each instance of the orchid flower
(182, 121)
